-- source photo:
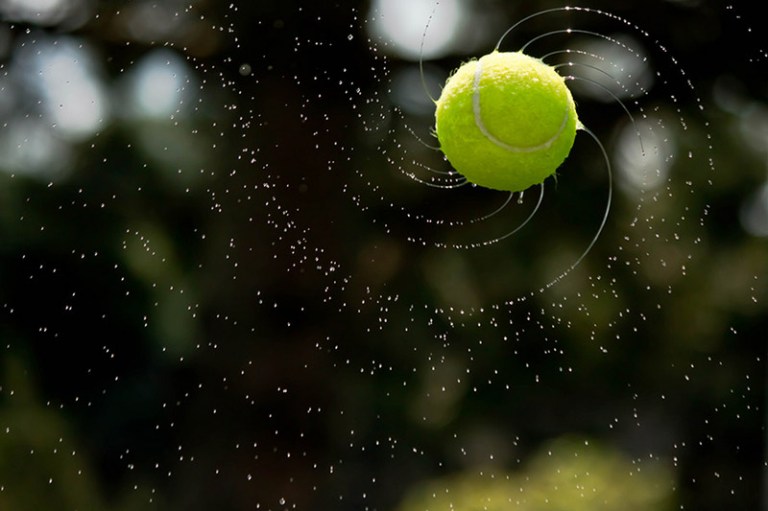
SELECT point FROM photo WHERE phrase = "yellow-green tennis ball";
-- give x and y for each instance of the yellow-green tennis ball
(506, 121)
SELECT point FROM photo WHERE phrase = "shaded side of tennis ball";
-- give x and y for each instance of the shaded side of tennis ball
(506, 121)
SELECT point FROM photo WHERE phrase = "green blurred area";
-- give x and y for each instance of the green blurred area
(567, 474)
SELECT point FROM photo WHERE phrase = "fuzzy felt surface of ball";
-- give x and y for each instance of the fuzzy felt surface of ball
(506, 121)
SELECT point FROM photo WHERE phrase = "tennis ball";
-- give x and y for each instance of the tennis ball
(506, 121)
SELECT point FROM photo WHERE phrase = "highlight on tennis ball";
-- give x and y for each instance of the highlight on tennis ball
(506, 121)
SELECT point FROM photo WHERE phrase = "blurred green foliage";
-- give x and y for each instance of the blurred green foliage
(41, 462)
(568, 474)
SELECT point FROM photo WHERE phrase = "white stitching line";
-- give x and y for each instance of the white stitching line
(481, 126)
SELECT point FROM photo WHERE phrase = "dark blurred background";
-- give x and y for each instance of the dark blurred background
(219, 289)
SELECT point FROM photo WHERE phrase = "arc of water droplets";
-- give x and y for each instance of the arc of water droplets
(453, 180)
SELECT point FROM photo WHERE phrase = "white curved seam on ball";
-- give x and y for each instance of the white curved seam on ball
(481, 126)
